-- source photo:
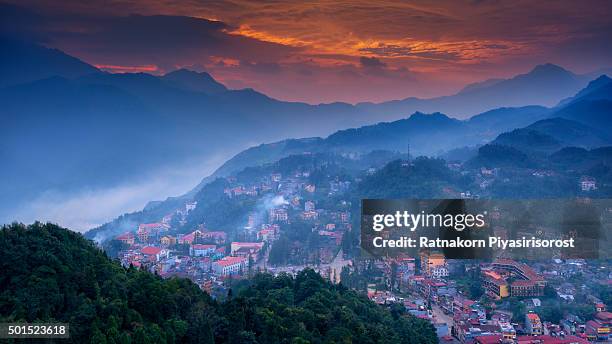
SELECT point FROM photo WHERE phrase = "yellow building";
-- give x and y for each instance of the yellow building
(495, 285)
(167, 240)
(432, 263)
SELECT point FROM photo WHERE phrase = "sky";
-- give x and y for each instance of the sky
(322, 51)
(325, 51)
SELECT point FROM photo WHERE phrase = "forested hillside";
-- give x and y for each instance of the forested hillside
(52, 274)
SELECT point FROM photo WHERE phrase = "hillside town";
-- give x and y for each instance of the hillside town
(552, 302)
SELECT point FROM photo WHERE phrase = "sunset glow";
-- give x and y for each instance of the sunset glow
(329, 51)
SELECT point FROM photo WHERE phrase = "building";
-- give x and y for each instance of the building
(588, 183)
(269, 233)
(251, 221)
(533, 325)
(599, 328)
(246, 249)
(167, 218)
(345, 217)
(127, 238)
(200, 250)
(507, 330)
(309, 206)
(190, 238)
(228, 266)
(167, 240)
(440, 271)
(524, 280)
(216, 237)
(278, 215)
(143, 234)
(544, 339)
(154, 254)
(153, 227)
(189, 206)
(310, 215)
(488, 172)
(494, 284)
(433, 263)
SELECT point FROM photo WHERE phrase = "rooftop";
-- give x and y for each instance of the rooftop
(150, 250)
(227, 261)
(203, 247)
(533, 317)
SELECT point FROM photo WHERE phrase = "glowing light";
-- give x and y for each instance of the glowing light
(127, 69)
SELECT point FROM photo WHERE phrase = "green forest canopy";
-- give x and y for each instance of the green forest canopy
(52, 274)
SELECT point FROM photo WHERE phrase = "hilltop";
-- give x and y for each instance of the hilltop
(53, 274)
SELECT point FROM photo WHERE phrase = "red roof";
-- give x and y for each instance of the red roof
(605, 316)
(203, 247)
(150, 250)
(490, 339)
(227, 261)
(125, 236)
(215, 234)
(523, 283)
(526, 269)
(533, 316)
(247, 244)
(595, 324)
(151, 225)
(550, 340)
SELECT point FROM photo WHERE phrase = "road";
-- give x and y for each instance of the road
(440, 316)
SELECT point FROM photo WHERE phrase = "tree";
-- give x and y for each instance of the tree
(279, 253)
(51, 274)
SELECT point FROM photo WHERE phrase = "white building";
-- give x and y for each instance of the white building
(439, 271)
(588, 184)
(229, 266)
(199, 250)
(309, 206)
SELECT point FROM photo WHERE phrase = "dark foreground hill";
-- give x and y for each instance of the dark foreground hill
(52, 274)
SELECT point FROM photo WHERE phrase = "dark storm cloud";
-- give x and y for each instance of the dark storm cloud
(371, 62)
(165, 41)
(311, 51)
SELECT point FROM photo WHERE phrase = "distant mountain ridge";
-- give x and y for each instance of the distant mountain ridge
(532, 123)
(98, 129)
(22, 62)
(194, 81)
(592, 106)
(596, 89)
(550, 135)
(538, 134)
(544, 85)
(419, 133)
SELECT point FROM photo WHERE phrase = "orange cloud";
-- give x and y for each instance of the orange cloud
(293, 50)
(128, 69)
(247, 31)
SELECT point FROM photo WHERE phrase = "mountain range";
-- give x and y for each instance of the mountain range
(68, 126)
(545, 85)
(581, 121)
(542, 136)
(528, 127)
